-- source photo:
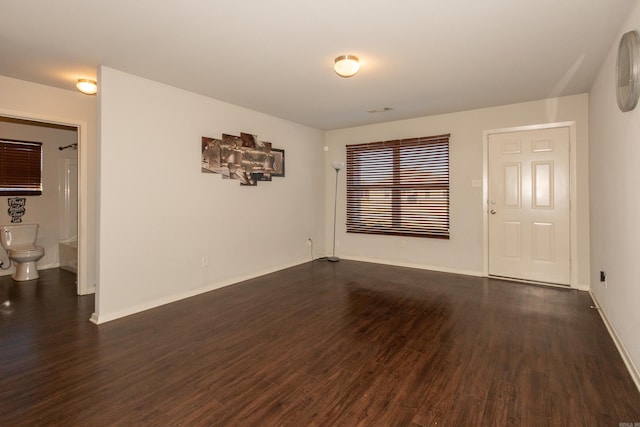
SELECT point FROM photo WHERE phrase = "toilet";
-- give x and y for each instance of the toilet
(19, 242)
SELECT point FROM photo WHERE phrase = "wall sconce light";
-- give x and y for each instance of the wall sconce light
(86, 86)
(346, 65)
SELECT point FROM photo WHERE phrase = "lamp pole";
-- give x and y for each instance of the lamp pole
(337, 166)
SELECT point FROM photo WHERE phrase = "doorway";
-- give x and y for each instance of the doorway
(84, 284)
(529, 205)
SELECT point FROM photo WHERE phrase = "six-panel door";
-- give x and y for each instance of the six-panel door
(529, 209)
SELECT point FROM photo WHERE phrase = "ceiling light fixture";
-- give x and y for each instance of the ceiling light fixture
(86, 86)
(346, 65)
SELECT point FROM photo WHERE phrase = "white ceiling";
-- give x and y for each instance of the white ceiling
(420, 57)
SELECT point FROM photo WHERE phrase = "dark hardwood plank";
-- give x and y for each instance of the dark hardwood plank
(319, 344)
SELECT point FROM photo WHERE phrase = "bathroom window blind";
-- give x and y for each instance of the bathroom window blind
(20, 168)
(399, 187)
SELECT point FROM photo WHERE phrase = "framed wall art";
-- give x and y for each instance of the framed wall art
(244, 158)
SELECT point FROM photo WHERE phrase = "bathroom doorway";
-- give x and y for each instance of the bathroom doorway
(62, 236)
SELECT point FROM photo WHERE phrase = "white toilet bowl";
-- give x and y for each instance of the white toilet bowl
(19, 242)
(25, 262)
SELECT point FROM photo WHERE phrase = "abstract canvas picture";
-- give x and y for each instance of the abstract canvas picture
(244, 158)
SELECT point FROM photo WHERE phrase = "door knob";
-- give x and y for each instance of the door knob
(493, 211)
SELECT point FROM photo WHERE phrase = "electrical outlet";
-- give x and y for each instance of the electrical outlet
(603, 278)
(309, 242)
(205, 261)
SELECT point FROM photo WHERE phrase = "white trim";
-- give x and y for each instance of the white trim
(94, 319)
(633, 369)
(83, 283)
(418, 266)
(573, 191)
(48, 266)
(99, 319)
(441, 269)
(533, 282)
(583, 287)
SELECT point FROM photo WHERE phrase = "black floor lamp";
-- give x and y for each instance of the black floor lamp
(337, 166)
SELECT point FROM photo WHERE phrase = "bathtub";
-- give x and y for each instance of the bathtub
(68, 250)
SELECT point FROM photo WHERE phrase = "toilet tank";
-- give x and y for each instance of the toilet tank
(18, 235)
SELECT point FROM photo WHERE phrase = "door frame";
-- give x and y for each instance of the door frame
(84, 285)
(573, 215)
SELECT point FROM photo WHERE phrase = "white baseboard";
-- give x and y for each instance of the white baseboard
(631, 367)
(441, 269)
(418, 266)
(99, 318)
(90, 290)
(94, 319)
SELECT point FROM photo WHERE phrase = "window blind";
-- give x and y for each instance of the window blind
(20, 168)
(399, 187)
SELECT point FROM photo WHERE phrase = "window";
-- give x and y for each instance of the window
(399, 187)
(20, 168)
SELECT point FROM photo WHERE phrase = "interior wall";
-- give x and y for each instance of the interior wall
(615, 203)
(160, 217)
(33, 101)
(43, 209)
(463, 253)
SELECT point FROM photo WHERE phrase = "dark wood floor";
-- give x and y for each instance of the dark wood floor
(321, 344)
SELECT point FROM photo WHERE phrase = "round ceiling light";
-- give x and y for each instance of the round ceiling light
(346, 65)
(89, 87)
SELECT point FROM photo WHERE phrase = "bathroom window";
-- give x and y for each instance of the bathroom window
(20, 168)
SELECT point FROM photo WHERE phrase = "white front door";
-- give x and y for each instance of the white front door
(529, 209)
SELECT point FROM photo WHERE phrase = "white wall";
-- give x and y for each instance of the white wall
(159, 214)
(463, 253)
(615, 203)
(43, 209)
(33, 101)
